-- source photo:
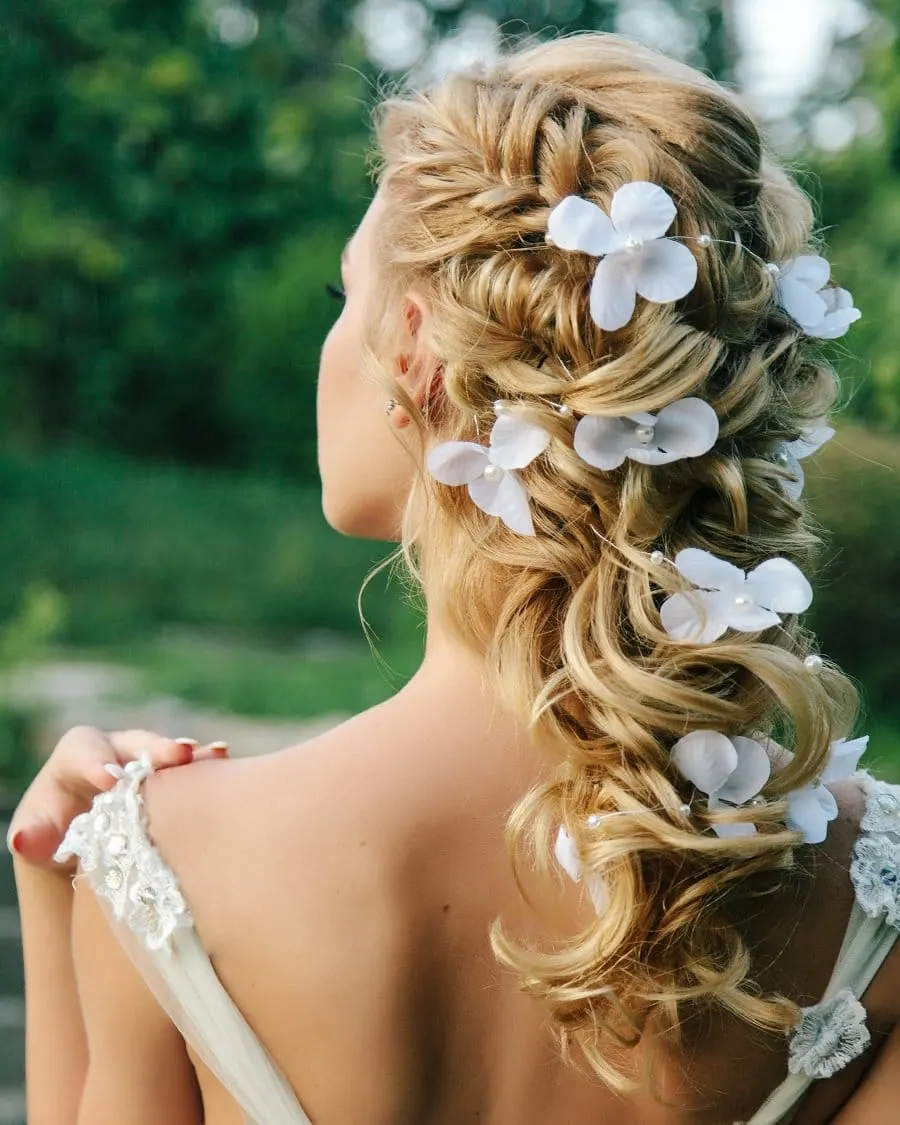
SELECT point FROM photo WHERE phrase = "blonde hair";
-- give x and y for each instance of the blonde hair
(569, 619)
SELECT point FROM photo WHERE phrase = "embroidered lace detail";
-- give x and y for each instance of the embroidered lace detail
(829, 1035)
(875, 869)
(832, 1033)
(112, 845)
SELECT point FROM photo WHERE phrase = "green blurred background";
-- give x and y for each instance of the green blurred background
(176, 182)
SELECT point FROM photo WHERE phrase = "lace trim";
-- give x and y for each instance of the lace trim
(833, 1033)
(829, 1035)
(112, 845)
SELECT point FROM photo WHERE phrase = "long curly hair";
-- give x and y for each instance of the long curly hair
(569, 619)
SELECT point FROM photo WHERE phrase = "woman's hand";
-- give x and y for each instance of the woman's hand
(76, 771)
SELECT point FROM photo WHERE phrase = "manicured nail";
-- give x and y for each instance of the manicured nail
(218, 746)
(192, 742)
(13, 841)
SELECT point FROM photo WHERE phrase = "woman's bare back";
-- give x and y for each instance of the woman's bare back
(345, 889)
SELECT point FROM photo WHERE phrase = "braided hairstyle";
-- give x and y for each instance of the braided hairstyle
(569, 618)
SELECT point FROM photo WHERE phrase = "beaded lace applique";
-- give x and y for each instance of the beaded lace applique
(113, 847)
(833, 1033)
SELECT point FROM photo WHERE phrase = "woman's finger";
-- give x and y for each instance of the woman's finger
(212, 751)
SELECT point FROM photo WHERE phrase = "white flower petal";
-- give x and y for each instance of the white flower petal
(835, 324)
(751, 773)
(845, 755)
(800, 302)
(706, 759)
(578, 224)
(780, 585)
(812, 270)
(708, 572)
(809, 811)
(810, 441)
(794, 488)
(687, 617)
(642, 210)
(599, 895)
(687, 428)
(613, 293)
(603, 442)
(739, 828)
(457, 462)
(649, 455)
(747, 618)
(506, 498)
(515, 443)
(566, 855)
(664, 271)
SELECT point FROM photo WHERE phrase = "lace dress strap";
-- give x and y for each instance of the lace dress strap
(833, 1032)
(142, 898)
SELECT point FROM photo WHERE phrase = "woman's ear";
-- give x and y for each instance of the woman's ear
(416, 364)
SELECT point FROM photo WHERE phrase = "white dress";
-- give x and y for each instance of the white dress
(142, 896)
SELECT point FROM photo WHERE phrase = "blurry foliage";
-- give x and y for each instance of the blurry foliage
(33, 623)
(132, 548)
(152, 181)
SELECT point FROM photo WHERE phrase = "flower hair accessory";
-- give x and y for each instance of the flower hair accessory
(730, 771)
(811, 439)
(568, 859)
(687, 428)
(489, 471)
(800, 283)
(635, 256)
(727, 598)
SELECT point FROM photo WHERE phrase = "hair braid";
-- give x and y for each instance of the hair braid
(570, 618)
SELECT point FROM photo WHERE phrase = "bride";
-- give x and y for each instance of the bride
(608, 856)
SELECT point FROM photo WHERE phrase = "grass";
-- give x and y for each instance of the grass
(323, 675)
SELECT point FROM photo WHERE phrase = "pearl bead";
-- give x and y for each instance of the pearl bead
(492, 472)
(758, 801)
(564, 410)
(685, 809)
(782, 458)
(644, 434)
(743, 599)
(500, 406)
(632, 245)
(657, 558)
(773, 269)
(593, 821)
(814, 662)
(704, 240)
(117, 844)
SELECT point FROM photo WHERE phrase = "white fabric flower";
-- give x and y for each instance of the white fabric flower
(821, 312)
(811, 440)
(568, 859)
(687, 428)
(730, 771)
(728, 598)
(489, 471)
(635, 257)
(812, 807)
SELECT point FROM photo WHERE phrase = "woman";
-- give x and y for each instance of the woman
(575, 370)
